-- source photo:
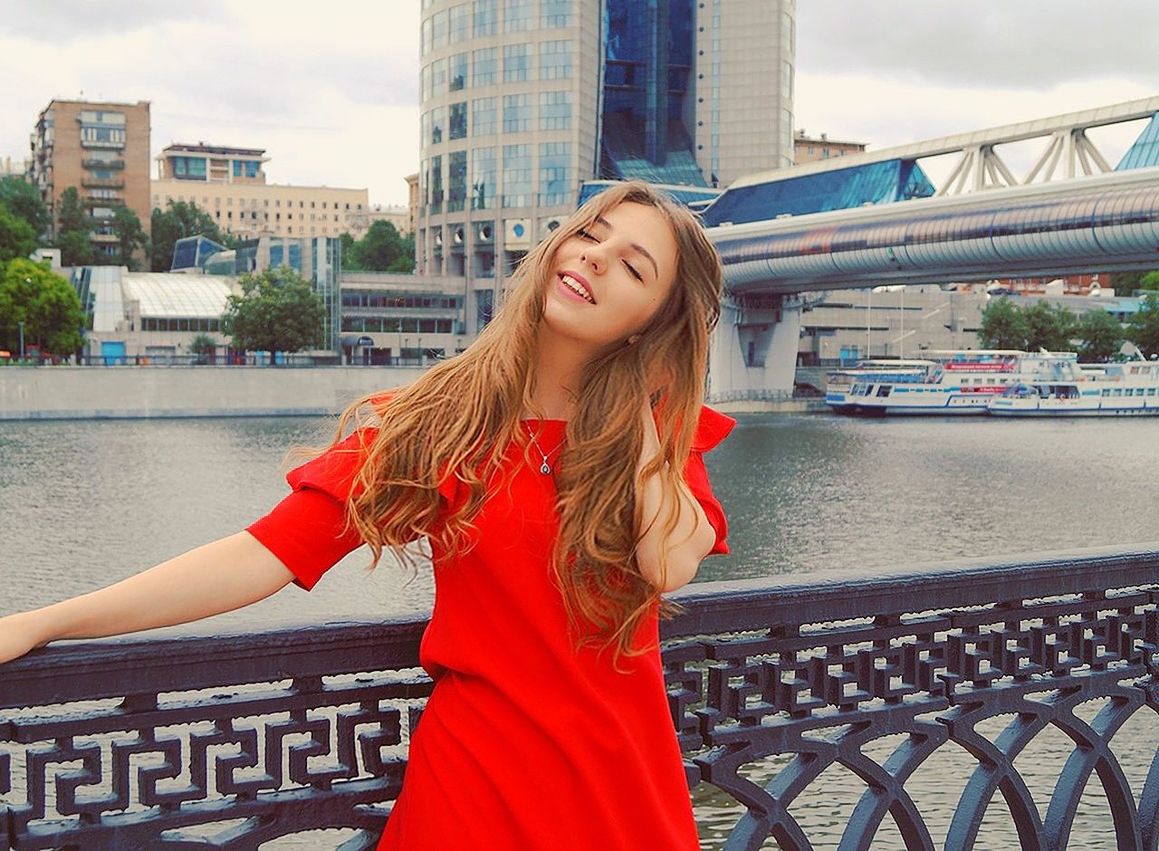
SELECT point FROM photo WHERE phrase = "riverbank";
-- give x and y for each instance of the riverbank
(131, 392)
(148, 392)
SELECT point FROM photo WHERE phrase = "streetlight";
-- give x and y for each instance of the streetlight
(21, 326)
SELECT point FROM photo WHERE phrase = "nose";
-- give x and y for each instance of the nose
(593, 255)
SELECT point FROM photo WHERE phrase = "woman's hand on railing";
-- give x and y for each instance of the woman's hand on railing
(217, 577)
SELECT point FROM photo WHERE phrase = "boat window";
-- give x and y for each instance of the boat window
(1150, 391)
(883, 390)
(1106, 392)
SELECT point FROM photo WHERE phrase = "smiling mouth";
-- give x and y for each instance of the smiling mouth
(578, 288)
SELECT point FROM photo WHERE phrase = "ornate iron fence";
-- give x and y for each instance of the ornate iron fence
(234, 740)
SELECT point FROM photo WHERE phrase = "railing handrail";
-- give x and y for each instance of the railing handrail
(299, 648)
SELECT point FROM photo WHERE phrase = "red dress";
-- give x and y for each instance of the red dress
(526, 742)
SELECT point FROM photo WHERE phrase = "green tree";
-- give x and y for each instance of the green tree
(278, 311)
(1101, 336)
(1143, 328)
(72, 230)
(382, 249)
(45, 303)
(178, 220)
(1050, 327)
(1003, 325)
(17, 238)
(202, 346)
(1149, 281)
(130, 237)
(1126, 282)
(23, 201)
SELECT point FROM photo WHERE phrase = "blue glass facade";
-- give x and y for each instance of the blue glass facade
(647, 69)
(875, 183)
(1145, 151)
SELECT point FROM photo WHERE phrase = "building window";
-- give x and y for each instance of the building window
(440, 27)
(460, 23)
(518, 15)
(485, 17)
(428, 31)
(555, 173)
(438, 124)
(486, 66)
(516, 113)
(457, 69)
(483, 179)
(516, 63)
(483, 117)
(555, 110)
(517, 175)
(555, 13)
(458, 122)
(439, 76)
(456, 181)
(436, 184)
(426, 82)
(555, 60)
(188, 168)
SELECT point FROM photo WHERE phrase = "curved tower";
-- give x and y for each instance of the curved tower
(523, 100)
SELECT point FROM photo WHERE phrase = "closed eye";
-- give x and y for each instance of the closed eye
(632, 270)
(586, 234)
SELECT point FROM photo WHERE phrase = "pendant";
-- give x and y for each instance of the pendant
(543, 468)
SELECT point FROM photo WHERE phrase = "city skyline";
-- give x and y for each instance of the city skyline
(337, 105)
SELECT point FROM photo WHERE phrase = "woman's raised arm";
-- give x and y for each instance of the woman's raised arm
(217, 577)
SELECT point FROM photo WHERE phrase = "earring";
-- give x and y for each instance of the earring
(635, 338)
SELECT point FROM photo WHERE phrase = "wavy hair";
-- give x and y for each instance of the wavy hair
(456, 420)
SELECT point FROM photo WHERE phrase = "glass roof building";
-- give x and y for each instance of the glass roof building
(522, 101)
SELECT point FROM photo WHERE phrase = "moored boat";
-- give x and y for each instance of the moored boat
(1129, 389)
(942, 383)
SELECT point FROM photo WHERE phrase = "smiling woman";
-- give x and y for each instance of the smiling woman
(556, 468)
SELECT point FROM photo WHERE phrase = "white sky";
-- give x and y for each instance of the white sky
(330, 89)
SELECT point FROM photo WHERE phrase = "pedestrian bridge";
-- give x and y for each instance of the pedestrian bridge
(873, 219)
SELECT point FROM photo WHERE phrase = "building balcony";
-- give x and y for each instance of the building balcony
(102, 202)
(107, 164)
(103, 182)
(103, 238)
(920, 688)
(93, 143)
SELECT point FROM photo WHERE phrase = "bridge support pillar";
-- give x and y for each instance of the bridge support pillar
(753, 353)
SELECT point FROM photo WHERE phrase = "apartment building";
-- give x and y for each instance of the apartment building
(100, 148)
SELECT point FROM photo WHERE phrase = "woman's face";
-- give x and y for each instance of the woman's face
(609, 280)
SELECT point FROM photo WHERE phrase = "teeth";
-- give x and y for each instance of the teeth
(576, 287)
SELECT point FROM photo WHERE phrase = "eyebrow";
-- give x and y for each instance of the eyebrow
(600, 220)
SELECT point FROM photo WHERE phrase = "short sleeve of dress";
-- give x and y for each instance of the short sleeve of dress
(711, 429)
(307, 530)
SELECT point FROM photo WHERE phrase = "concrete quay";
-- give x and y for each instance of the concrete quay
(144, 392)
(134, 392)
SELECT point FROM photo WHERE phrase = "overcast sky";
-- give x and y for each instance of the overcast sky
(330, 89)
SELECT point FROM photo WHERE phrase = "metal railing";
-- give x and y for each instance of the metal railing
(773, 685)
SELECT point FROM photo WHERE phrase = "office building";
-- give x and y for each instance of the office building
(524, 100)
(102, 149)
(807, 149)
(230, 184)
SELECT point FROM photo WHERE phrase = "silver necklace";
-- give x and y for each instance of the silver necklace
(545, 467)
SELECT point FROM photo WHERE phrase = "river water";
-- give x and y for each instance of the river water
(86, 503)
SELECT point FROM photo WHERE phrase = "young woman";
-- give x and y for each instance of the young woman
(556, 468)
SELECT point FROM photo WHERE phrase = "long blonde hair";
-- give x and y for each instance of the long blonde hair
(457, 419)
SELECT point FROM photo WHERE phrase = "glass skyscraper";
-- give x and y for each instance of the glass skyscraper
(523, 100)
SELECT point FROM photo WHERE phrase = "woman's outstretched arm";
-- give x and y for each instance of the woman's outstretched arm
(669, 561)
(217, 577)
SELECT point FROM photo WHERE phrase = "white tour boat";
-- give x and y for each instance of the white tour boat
(942, 383)
(1128, 389)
